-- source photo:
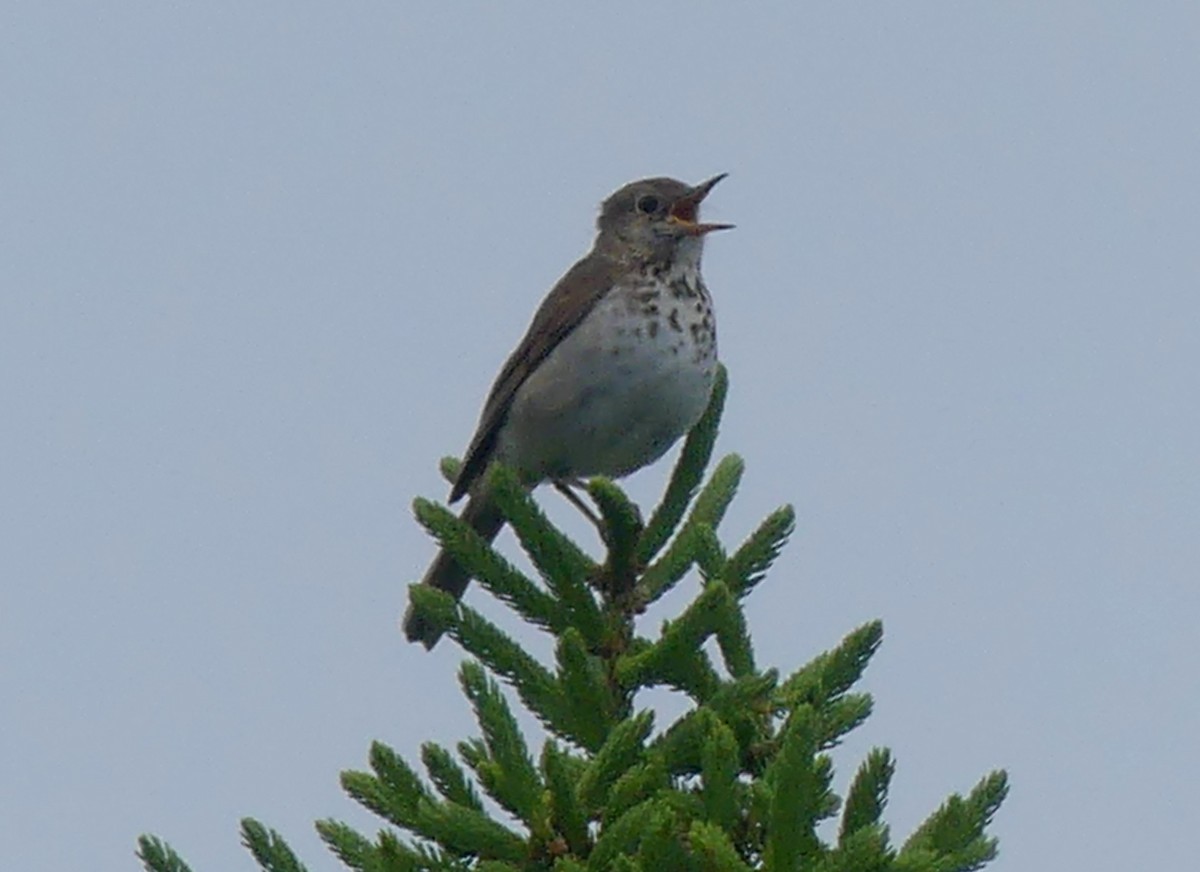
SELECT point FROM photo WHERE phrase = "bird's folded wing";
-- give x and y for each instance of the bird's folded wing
(564, 308)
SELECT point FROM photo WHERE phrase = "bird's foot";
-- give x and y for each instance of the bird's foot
(567, 487)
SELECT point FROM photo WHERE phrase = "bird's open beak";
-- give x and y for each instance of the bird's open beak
(683, 211)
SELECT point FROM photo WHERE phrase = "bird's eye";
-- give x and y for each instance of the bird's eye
(648, 204)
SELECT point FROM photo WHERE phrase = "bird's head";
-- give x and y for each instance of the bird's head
(656, 219)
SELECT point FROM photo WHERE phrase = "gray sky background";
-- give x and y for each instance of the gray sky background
(261, 262)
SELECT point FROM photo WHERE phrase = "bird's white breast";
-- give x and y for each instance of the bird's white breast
(622, 387)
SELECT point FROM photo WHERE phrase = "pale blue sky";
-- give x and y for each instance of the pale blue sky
(260, 263)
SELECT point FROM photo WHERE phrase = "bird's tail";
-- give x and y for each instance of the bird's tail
(445, 573)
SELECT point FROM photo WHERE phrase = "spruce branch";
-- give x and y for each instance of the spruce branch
(744, 705)
(590, 704)
(622, 526)
(867, 796)
(624, 834)
(624, 748)
(954, 834)
(670, 569)
(448, 777)
(720, 764)
(714, 498)
(269, 848)
(865, 851)
(563, 565)
(358, 852)
(157, 856)
(495, 573)
(450, 467)
(741, 780)
(638, 783)
(710, 555)
(687, 475)
(733, 637)
(537, 686)
(748, 565)
(795, 795)
(714, 850)
(465, 832)
(829, 675)
(841, 716)
(507, 772)
(568, 815)
(393, 791)
(676, 659)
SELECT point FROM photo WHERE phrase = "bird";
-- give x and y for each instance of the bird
(617, 364)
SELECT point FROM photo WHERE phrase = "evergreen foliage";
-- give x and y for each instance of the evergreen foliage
(743, 780)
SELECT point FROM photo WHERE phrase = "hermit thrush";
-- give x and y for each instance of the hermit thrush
(617, 365)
